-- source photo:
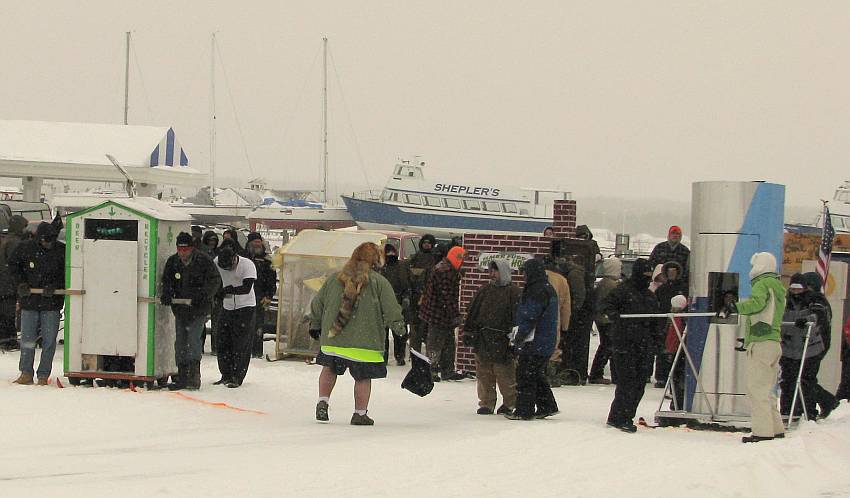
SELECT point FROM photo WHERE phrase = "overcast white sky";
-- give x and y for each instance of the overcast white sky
(634, 99)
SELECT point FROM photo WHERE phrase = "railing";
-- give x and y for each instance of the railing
(367, 195)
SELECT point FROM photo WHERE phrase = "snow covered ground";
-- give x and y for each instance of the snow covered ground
(99, 441)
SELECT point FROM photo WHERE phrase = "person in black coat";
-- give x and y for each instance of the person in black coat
(804, 301)
(420, 266)
(398, 275)
(8, 292)
(189, 274)
(674, 285)
(38, 264)
(264, 288)
(210, 247)
(633, 341)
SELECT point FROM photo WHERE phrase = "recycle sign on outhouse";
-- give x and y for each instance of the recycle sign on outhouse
(116, 328)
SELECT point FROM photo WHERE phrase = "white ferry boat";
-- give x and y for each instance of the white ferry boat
(447, 209)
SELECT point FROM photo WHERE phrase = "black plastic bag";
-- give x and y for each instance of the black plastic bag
(418, 380)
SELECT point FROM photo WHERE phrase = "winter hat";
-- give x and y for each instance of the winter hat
(812, 280)
(197, 229)
(427, 238)
(184, 240)
(679, 302)
(254, 236)
(763, 262)
(639, 276)
(455, 256)
(674, 229)
(17, 224)
(612, 267)
(798, 281)
(46, 232)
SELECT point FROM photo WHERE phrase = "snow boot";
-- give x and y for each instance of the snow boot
(193, 381)
(23, 379)
(514, 416)
(484, 410)
(503, 410)
(544, 414)
(182, 376)
(826, 410)
(453, 376)
(755, 439)
(598, 380)
(322, 411)
(357, 419)
(43, 381)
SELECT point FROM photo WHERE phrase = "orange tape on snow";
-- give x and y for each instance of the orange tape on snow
(217, 404)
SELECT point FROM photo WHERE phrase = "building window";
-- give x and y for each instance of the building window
(432, 201)
(387, 195)
(452, 203)
(493, 207)
(472, 205)
(412, 199)
(394, 197)
(509, 207)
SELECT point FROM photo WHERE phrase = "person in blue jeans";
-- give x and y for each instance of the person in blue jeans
(38, 264)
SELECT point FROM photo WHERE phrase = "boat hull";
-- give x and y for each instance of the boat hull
(376, 215)
(299, 218)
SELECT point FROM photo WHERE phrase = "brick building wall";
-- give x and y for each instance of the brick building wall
(564, 225)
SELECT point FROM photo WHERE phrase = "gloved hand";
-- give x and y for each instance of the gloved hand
(801, 323)
(315, 333)
(165, 300)
(726, 311)
(24, 290)
(48, 290)
(228, 290)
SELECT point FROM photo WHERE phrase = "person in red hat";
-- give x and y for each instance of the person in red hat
(672, 249)
(440, 310)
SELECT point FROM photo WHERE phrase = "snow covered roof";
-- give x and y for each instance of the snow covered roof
(335, 244)
(77, 151)
(146, 206)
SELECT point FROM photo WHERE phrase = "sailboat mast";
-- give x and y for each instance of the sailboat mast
(212, 119)
(325, 119)
(127, 80)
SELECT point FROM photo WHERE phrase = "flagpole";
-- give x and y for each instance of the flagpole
(823, 234)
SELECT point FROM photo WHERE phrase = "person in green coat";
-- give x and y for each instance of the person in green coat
(763, 311)
(349, 318)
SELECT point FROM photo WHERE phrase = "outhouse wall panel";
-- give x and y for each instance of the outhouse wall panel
(110, 305)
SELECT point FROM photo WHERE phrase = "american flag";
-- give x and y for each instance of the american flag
(825, 252)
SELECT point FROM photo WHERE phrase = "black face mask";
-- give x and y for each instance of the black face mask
(226, 259)
(391, 259)
(641, 281)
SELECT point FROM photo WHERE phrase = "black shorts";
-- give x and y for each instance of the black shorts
(359, 370)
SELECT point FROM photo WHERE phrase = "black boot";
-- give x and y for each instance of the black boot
(193, 382)
(180, 382)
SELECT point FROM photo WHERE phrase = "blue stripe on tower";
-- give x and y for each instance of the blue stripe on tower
(764, 218)
(155, 157)
(169, 148)
(184, 161)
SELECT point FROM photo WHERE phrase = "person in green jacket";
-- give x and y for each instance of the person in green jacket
(763, 312)
(349, 318)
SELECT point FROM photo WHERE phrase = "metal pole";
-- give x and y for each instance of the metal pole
(212, 119)
(127, 80)
(798, 387)
(325, 120)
